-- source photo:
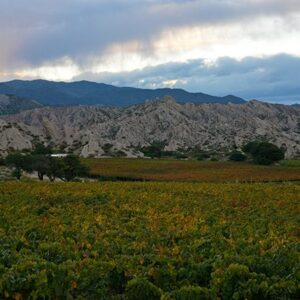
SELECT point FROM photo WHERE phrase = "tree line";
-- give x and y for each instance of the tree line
(44, 164)
(261, 153)
(258, 152)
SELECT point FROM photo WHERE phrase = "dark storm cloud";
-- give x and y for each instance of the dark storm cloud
(270, 78)
(44, 30)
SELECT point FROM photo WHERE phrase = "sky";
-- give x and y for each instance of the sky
(250, 48)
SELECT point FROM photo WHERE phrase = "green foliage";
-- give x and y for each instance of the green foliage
(194, 153)
(119, 153)
(72, 167)
(16, 160)
(192, 293)
(198, 274)
(67, 168)
(19, 162)
(41, 149)
(250, 147)
(267, 153)
(142, 289)
(180, 156)
(17, 173)
(264, 153)
(55, 168)
(214, 158)
(149, 240)
(291, 163)
(117, 280)
(234, 281)
(237, 156)
(238, 282)
(155, 150)
(202, 156)
(41, 164)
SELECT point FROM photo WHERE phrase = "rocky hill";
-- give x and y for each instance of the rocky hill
(87, 130)
(10, 104)
(91, 93)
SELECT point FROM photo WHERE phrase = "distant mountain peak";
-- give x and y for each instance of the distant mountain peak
(92, 93)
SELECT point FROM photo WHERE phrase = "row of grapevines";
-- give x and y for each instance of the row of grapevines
(149, 241)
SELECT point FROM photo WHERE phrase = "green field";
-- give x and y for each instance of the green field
(290, 163)
(149, 240)
(191, 170)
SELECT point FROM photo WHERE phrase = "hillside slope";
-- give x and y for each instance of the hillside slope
(86, 129)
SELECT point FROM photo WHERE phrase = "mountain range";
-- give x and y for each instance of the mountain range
(11, 104)
(87, 130)
(91, 93)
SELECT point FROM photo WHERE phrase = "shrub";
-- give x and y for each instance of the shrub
(250, 147)
(237, 156)
(264, 153)
(119, 153)
(181, 156)
(142, 289)
(155, 150)
(202, 156)
(107, 148)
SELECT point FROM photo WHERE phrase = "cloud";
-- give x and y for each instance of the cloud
(215, 46)
(274, 78)
(40, 31)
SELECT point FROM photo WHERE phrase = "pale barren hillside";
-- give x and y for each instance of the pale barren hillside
(86, 129)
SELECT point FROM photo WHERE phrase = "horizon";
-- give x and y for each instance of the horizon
(266, 100)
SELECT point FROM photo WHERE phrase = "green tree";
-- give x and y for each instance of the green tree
(72, 167)
(55, 168)
(264, 153)
(20, 163)
(44, 165)
(154, 150)
(41, 164)
(41, 149)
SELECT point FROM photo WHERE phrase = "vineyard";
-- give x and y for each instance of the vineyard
(192, 171)
(149, 240)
